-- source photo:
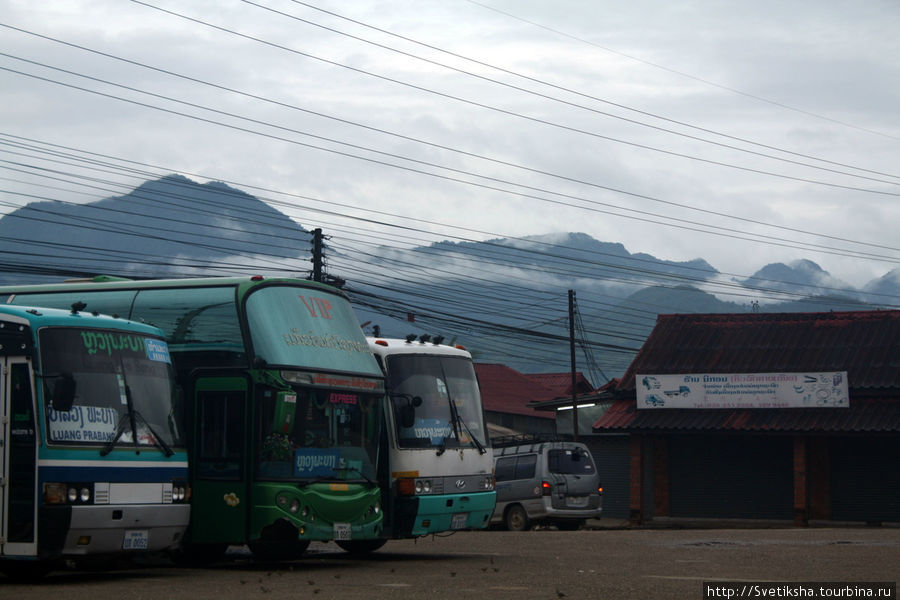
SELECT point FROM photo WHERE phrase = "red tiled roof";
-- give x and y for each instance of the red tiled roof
(561, 383)
(506, 390)
(866, 344)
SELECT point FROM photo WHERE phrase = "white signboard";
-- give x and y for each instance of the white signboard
(743, 390)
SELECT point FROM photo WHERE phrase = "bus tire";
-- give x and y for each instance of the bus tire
(516, 519)
(360, 547)
(196, 555)
(26, 571)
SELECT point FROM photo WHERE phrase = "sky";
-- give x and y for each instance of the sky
(744, 133)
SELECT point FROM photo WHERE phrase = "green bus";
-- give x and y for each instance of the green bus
(281, 404)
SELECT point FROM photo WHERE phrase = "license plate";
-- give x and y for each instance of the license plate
(136, 539)
(342, 531)
(459, 520)
(577, 501)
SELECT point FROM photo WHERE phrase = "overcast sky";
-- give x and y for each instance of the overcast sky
(741, 132)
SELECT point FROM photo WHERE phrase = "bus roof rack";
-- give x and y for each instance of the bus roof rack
(523, 438)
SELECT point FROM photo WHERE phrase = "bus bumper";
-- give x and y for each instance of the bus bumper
(422, 515)
(109, 529)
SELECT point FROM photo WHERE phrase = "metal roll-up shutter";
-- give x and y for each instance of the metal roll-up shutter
(865, 479)
(611, 455)
(731, 477)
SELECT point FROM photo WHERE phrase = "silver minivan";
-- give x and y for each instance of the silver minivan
(545, 482)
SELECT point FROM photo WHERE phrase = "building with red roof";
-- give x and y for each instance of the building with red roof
(506, 393)
(804, 451)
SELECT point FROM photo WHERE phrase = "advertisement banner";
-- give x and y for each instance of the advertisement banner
(743, 390)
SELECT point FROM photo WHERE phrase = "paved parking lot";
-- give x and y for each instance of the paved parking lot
(599, 563)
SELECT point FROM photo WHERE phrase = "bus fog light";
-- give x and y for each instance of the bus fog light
(54, 493)
(84, 540)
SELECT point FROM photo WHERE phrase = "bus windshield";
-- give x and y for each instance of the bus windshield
(449, 414)
(318, 434)
(115, 376)
(296, 326)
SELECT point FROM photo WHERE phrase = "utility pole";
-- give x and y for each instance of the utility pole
(572, 359)
(317, 272)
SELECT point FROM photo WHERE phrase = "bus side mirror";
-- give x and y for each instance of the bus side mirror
(408, 411)
(63, 393)
(407, 416)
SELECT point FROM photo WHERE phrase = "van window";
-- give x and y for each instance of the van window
(506, 468)
(525, 466)
(515, 467)
(571, 461)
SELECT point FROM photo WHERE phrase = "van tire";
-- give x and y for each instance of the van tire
(516, 518)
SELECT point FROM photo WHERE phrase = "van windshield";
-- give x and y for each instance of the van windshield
(570, 461)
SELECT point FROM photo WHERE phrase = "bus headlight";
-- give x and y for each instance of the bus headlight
(85, 495)
(295, 506)
(487, 483)
(72, 494)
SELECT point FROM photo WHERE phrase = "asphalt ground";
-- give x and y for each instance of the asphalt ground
(674, 561)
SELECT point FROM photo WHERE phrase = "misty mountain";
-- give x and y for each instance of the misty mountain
(799, 276)
(506, 299)
(167, 227)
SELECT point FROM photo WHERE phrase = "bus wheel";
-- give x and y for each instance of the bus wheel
(516, 518)
(278, 541)
(360, 547)
(283, 550)
(194, 555)
(25, 571)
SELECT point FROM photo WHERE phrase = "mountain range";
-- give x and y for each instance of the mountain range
(506, 298)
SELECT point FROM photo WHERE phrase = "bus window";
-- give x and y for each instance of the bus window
(296, 326)
(108, 302)
(221, 434)
(317, 434)
(112, 373)
(21, 456)
(194, 319)
(448, 391)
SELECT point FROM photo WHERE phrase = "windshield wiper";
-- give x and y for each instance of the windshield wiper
(457, 425)
(357, 469)
(156, 438)
(120, 429)
(132, 416)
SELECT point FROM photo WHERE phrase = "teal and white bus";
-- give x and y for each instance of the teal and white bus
(282, 405)
(436, 468)
(92, 457)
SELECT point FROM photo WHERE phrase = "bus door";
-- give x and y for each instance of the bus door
(18, 467)
(220, 491)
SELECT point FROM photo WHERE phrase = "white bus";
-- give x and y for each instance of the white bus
(435, 462)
